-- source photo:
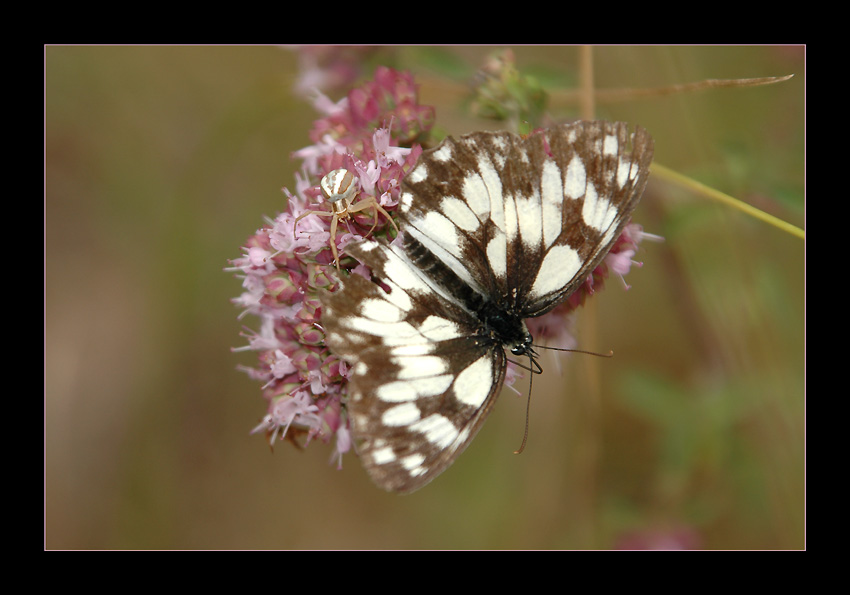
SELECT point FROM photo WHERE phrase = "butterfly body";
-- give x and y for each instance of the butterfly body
(496, 229)
(499, 322)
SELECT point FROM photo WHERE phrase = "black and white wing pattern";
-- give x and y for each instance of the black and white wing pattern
(496, 229)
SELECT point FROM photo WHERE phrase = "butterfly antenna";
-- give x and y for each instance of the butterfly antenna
(536, 369)
(609, 354)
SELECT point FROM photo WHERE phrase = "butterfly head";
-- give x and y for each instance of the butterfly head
(523, 347)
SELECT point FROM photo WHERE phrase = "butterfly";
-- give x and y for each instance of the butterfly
(496, 228)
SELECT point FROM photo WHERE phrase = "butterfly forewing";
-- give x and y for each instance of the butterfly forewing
(496, 228)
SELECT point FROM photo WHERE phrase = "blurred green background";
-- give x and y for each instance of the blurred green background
(161, 161)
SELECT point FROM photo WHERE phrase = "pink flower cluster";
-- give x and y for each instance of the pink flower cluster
(286, 264)
(329, 67)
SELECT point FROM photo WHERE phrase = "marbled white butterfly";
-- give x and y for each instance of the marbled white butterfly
(496, 228)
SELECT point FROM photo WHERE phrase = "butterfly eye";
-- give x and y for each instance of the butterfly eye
(523, 348)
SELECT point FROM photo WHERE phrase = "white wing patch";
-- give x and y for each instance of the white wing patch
(442, 230)
(412, 349)
(386, 330)
(493, 185)
(530, 217)
(575, 180)
(551, 201)
(413, 464)
(460, 214)
(418, 173)
(381, 311)
(406, 200)
(401, 415)
(435, 328)
(596, 211)
(444, 153)
(476, 196)
(437, 429)
(610, 145)
(422, 366)
(559, 266)
(400, 391)
(623, 172)
(511, 217)
(497, 255)
(383, 455)
(398, 297)
(472, 386)
(400, 271)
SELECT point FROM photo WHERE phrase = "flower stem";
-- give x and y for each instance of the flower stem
(731, 201)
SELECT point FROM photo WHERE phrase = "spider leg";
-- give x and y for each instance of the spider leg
(334, 222)
(347, 219)
(371, 202)
(304, 214)
(385, 214)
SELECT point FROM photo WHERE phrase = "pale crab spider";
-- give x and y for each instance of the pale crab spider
(339, 188)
